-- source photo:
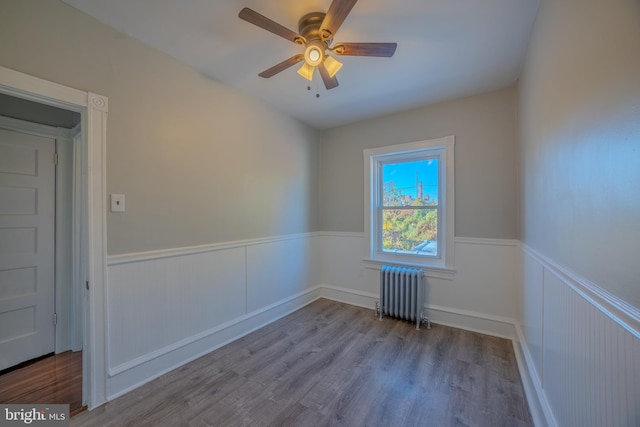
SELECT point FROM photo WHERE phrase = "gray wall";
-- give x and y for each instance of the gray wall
(485, 153)
(197, 161)
(579, 108)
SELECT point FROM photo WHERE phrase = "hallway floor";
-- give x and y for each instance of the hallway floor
(53, 379)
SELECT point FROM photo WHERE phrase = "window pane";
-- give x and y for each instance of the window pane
(412, 183)
(410, 231)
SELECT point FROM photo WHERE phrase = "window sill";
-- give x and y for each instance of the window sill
(437, 272)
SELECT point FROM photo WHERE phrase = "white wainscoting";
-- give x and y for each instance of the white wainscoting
(578, 350)
(166, 308)
(581, 347)
(479, 296)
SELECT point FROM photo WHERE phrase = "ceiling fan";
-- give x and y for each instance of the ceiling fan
(315, 33)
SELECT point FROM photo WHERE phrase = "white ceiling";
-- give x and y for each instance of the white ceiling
(446, 49)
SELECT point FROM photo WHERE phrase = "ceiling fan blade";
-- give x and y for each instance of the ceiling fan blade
(281, 66)
(335, 16)
(329, 82)
(262, 21)
(385, 50)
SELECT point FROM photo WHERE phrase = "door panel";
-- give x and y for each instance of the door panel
(17, 201)
(27, 224)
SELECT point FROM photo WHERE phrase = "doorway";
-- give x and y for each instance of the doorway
(40, 311)
(89, 248)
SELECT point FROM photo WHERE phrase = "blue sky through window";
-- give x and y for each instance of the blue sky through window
(403, 175)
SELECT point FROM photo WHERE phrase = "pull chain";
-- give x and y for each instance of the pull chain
(317, 91)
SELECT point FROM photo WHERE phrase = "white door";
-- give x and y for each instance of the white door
(27, 257)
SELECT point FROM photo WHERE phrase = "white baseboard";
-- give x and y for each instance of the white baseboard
(349, 296)
(538, 404)
(471, 321)
(131, 377)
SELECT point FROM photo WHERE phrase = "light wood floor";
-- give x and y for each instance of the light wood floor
(334, 364)
(54, 379)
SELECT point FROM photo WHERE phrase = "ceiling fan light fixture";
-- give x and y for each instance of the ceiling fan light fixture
(314, 55)
(315, 33)
(332, 65)
(306, 71)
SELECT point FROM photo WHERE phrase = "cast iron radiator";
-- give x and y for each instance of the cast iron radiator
(401, 293)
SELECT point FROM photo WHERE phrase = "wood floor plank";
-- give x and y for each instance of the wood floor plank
(334, 364)
(54, 379)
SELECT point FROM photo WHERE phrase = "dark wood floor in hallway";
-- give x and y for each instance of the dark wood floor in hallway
(334, 364)
(54, 379)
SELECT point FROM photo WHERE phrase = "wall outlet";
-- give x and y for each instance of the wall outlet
(117, 203)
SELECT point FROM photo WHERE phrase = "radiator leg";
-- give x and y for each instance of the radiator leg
(425, 319)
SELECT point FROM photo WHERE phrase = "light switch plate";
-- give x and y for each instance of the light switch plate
(117, 203)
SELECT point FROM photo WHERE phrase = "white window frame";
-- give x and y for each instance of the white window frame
(374, 158)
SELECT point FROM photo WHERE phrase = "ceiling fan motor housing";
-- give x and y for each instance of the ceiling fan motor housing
(309, 27)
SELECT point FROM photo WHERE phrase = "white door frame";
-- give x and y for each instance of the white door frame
(93, 110)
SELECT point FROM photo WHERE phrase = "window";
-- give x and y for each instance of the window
(409, 202)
